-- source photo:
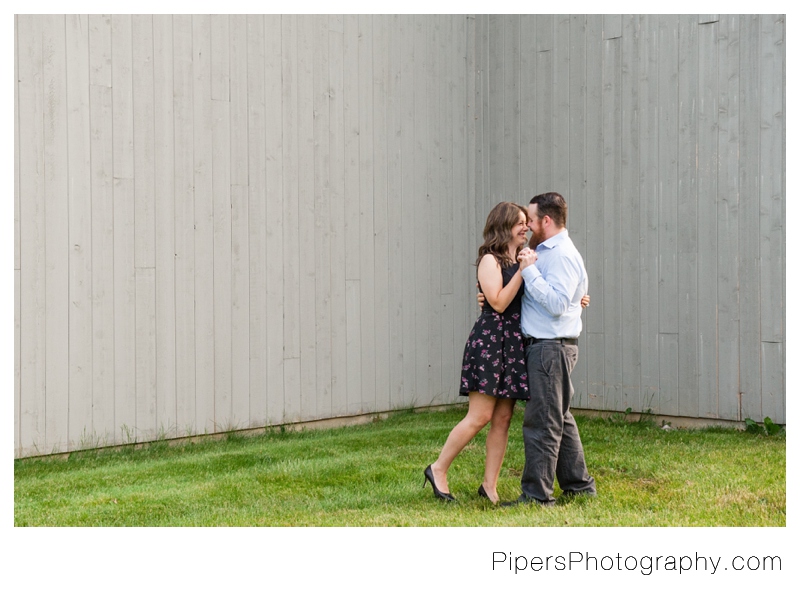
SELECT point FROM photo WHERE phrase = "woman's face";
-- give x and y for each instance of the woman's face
(519, 232)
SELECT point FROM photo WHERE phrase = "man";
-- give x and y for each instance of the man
(555, 280)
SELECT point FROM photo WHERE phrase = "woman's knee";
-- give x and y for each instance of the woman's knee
(503, 413)
(479, 418)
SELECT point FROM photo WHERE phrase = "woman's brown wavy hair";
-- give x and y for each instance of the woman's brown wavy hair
(497, 232)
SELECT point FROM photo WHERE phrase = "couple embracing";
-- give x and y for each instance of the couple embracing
(524, 346)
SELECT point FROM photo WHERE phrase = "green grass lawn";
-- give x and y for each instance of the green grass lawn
(371, 475)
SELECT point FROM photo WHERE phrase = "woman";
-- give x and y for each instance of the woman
(494, 373)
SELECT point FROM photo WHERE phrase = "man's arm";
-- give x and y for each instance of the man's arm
(555, 293)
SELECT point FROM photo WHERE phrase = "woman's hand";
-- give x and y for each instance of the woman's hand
(526, 257)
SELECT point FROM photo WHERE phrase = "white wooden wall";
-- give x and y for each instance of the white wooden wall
(667, 137)
(236, 221)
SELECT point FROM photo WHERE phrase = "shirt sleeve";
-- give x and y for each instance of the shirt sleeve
(555, 293)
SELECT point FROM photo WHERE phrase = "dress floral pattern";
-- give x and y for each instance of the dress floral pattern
(494, 356)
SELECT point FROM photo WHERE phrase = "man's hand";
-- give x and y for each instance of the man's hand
(527, 257)
(481, 298)
(585, 300)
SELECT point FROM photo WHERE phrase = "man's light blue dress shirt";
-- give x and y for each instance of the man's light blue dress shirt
(554, 285)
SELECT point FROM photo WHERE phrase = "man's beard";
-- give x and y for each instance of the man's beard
(535, 240)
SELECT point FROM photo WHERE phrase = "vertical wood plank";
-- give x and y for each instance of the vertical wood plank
(481, 143)
(728, 218)
(629, 211)
(145, 313)
(772, 192)
(306, 224)
(18, 363)
(407, 207)
(394, 130)
(773, 381)
(495, 75)
(704, 360)
(144, 223)
(421, 228)
(204, 224)
(240, 240)
(543, 29)
(337, 218)
(238, 98)
(56, 197)
(240, 306)
(222, 277)
(668, 103)
(772, 66)
(612, 26)
(528, 104)
(256, 220)
(594, 325)
(449, 210)
(101, 171)
(613, 205)
(595, 396)
(544, 123)
(383, 260)
(561, 104)
(366, 212)
(511, 165)
(749, 210)
(143, 140)
(686, 219)
(648, 212)
(32, 236)
(463, 190)
(291, 246)
(474, 128)
(80, 232)
(17, 274)
(124, 307)
(577, 199)
(164, 171)
(322, 214)
(185, 379)
(433, 194)
(668, 373)
(352, 222)
(220, 57)
(16, 150)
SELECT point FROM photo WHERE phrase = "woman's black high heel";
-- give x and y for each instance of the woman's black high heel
(482, 493)
(438, 493)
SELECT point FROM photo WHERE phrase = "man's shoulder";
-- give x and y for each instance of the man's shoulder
(568, 252)
(563, 245)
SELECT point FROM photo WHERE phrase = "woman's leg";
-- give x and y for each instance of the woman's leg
(481, 408)
(496, 442)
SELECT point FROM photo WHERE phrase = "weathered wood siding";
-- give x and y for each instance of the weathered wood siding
(235, 221)
(667, 137)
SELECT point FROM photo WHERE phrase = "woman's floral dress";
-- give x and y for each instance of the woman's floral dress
(494, 357)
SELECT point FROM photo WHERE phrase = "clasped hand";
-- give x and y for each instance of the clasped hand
(526, 257)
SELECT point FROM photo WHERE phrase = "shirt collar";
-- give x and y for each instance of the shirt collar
(554, 240)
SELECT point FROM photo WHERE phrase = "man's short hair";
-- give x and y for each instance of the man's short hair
(551, 204)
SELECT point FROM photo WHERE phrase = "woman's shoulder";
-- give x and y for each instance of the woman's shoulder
(489, 259)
